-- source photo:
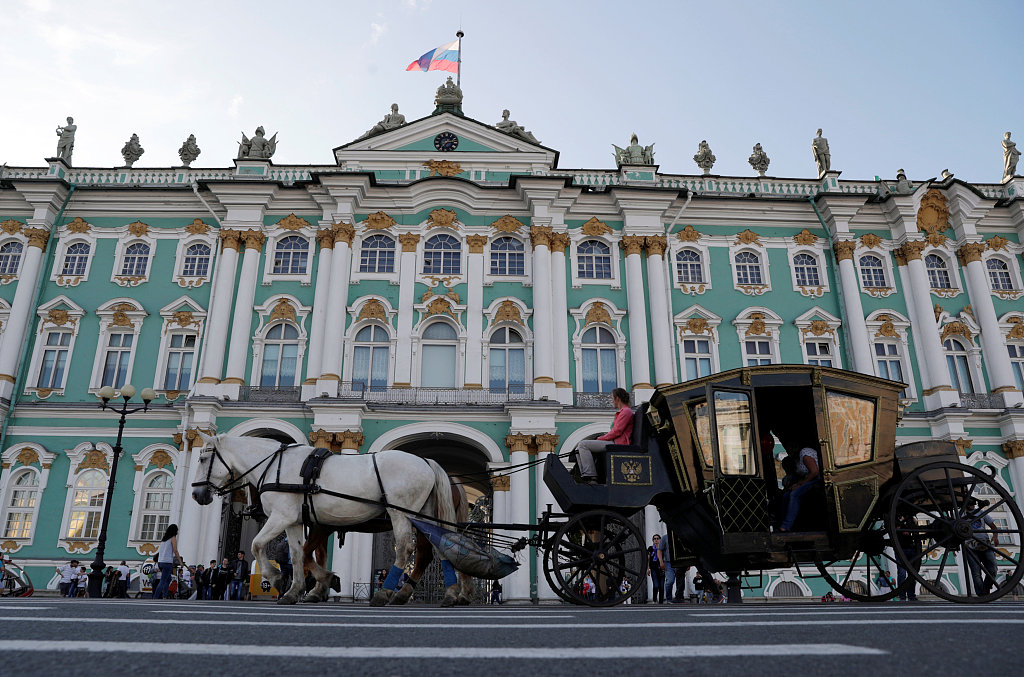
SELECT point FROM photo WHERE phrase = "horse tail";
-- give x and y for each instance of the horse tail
(444, 507)
(461, 502)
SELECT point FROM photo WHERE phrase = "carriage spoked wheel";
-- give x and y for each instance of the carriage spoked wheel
(854, 577)
(597, 558)
(930, 519)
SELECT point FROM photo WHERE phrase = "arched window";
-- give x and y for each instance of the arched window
(442, 255)
(507, 257)
(599, 361)
(872, 271)
(156, 506)
(290, 255)
(696, 357)
(806, 268)
(377, 255)
(594, 260)
(689, 267)
(1016, 351)
(999, 274)
(181, 353)
(507, 359)
(87, 505)
(76, 259)
(197, 260)
(55, 359)
(370, 357)
(21, 506)
(280, 356)
(438, 353)
(10, 258)
(136, 259)
(958, 362)
(748, 268)
(938, 274)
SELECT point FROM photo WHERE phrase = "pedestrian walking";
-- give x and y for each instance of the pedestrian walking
(221, 579)
(67, 573)
(666, 567)
(656, 570)
(980, 552)
(496, 593)
(166, 557)
(123, 580)
(239, 576)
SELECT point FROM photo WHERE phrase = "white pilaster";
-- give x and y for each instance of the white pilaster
(474, 311)
(560, 318)
(337, 306)
(241, 321)
(220, 311)
(406, 286)
(860, 347)
(518, 585)
(543, 362)
(637, 314)
(660, 329)
(21, 309)
(321, 299)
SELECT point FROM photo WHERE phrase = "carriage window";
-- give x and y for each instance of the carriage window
(735, 433)
(851, 427)
(700, 419)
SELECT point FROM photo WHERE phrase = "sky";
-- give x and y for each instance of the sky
(922, 86)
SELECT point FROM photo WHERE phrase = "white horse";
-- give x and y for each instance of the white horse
(409, 483)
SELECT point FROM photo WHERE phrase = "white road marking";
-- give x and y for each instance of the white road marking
(342, 614)
(18, 607)
(952, 610)
(485, 653)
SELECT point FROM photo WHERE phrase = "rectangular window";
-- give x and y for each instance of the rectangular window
(735, 433)
(758, 353)
(180, 356)
(599, 370)
(116, 359)
(55, 358)
(438, 368)
(1017, 362)
(153, 527)
(19, 525)
(819, 353)
(697, 358)
(851, 424)
(508, 263)
(960, 373)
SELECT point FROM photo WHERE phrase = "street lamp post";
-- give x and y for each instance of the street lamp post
(106, 394)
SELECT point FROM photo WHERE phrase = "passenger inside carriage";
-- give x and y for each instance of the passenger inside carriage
(621, 433)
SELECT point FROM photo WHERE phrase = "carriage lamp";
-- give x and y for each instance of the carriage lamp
(107, 394)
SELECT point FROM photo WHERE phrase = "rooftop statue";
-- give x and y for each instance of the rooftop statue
(66, 143)
(704, 158)
(189, 150)
(903, 186)
(258, 147)
(759, 160)
(392, 120)
(634, 153)
(1010, 157)
(822, 156)
(132, 151)
(512, 128)
(946, 174)
(448, 98)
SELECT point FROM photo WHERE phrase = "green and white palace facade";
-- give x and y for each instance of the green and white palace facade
(472, 302)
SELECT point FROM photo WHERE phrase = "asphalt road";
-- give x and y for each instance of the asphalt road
(142, 638)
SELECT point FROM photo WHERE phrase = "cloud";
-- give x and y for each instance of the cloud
(235, 104)
(376, 31)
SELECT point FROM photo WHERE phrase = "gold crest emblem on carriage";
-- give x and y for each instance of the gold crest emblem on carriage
(632, 471)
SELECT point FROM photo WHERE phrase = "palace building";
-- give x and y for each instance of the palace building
(446, 288)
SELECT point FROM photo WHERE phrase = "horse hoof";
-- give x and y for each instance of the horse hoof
(311, 598)
(336, 584)
(464, 600)
(402, 596)
(449, 600)
(285, 599)
(381, 597)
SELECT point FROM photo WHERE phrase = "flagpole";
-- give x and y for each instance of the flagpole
(458, 75)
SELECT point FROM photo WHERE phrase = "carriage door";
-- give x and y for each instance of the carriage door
(740, 493)
(847, 428)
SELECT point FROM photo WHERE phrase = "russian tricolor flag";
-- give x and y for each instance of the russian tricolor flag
(443, 58)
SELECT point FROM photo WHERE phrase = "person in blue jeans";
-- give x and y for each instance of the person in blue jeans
(165, 558)
(239, 577)
(808, 472)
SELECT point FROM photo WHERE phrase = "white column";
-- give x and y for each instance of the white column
(853, 309)
(543, 363)
(1015, 454)
(220, 310)
(321, 298)
(560, 317)
(337, 306)
(189, 524)
(997, 359)
(406, 286)
(475, 311)
(362, 558)
(341, 564)
(637, 313)
(500, 509)
(21, 309)
(547, 444)
(661, 331)
(240, 346)
(938, 390)
(518, 586)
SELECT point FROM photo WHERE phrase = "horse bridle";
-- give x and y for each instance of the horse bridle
(232, 480)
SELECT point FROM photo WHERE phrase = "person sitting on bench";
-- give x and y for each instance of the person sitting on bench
(621, 432)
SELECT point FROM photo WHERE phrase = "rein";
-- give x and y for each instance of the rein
(234, 482)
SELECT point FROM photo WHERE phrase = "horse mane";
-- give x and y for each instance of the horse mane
(258, 442)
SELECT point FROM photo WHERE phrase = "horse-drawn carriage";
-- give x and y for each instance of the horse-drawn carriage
(697, 457)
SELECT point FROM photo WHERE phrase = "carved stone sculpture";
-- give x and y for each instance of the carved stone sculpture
(946, 174)
(258, 147)
(822, 156)
(1010, 157)
(132, 150)
(189, 150)
(448, 98)
(704, 158)
(903, 186)
(392, 120)
(66, 142)
(512, 128)
(759, 160)
(634, 153)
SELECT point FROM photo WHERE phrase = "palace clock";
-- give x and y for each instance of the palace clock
(446, 141)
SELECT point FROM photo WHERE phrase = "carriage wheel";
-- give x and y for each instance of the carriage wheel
(603, 547)
(549, 570)
(928, 516)
(865, 566)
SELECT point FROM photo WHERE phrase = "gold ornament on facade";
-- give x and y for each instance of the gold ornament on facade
(545, 443)
(11, 227)
(59, 317)
(518, 442)
(507, 224)
(933, 215)
(559, 242)
(595, 227)
(37, 237)
(937, 311)
(805, 238)
(293, 222)
(343, 232)
(147, 549)
(508, 312)
(27, 456)
(476, 243)
(161, 459)
(955, 328)
(379, 221)
(811, 292)
(129, 280)
(692, 289)
(757, 326)
(996, 243)
(1016, 328)
(970, 252)
(351, 439)
(1013, 449)
(963, 445)
(656, 245)
(844, 249)
(689, 234)
(172, 395)
(540, 235)
(325, 237)
(79, 546)
(409, 241)
(253, 239)
(632, 244)
(138, 229)
(372, 310)
(748, 237)
(230, 239)
(120, 317)
(501, 483)
(7, 277)
(283, 310)
(321, 438)
(442, 218)
(969, 312)
(870, 240)
(94, 458)
(43, 393)
(910, 251)
(752, 289)
(13, 546)
(192, 435)
(439, 306)
(887, 328)
(78, 225)
(184, 318)
(935, 239)
(696, 325)
(197, 227)
(597, 313)
(817, 328)
(443, 167)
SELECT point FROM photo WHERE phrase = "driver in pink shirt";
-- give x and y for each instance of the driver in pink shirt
(621, 433)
